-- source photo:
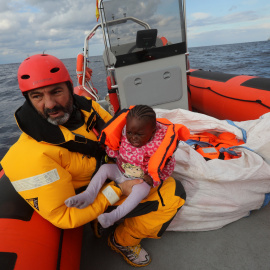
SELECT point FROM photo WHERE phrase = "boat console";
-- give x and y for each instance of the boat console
(145, 57)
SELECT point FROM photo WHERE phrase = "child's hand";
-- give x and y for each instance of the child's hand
(148, 179)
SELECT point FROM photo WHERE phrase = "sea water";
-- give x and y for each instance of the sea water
(243, 58)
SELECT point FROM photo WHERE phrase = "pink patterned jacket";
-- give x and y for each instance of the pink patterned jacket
(139, 157)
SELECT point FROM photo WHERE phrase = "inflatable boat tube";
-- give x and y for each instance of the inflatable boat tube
(228, 96)
(30, 242)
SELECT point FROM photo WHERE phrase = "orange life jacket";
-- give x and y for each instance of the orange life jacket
(215, 143)
(112, 132)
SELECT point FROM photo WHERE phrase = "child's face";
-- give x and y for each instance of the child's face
(138, 131)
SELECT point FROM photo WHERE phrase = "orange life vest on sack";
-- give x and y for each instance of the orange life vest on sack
(213, 144)
(112, 133)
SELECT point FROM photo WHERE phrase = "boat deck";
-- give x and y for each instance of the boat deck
(244, 244)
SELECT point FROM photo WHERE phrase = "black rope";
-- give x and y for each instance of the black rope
(244, 100)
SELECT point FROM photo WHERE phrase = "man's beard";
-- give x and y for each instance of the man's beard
(60, 120)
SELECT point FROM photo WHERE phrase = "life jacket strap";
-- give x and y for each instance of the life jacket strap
(244, 133)
(159, 194)
(84, 146)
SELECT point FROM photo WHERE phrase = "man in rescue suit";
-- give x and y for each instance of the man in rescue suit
(58, 153)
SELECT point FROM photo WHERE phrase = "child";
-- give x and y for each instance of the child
(139, 140)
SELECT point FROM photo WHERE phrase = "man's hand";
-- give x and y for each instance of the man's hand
(126, 186)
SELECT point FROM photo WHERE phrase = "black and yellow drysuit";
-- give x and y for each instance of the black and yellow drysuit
(49, 163)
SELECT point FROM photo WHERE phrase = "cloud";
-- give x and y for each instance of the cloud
(5, 24)
(4, 5)
(232, 8)
(205, 29)
(31, 26)
(204, 19)
(200, 16)
(229, 36)
(58, 27)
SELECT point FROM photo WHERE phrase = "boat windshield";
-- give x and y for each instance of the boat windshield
(126, 17)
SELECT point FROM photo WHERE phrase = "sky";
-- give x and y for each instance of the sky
(58, 27)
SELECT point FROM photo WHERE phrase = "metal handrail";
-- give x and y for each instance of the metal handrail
(92, 33)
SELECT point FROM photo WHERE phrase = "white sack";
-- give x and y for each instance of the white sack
(220, 191)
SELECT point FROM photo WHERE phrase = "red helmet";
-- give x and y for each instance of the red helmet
(41, 70)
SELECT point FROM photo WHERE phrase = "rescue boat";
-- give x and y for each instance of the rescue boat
(142, 68)
(148, 64)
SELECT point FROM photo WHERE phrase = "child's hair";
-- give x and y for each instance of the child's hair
(143, 112)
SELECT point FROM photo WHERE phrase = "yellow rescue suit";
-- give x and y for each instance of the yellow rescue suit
(47, 172)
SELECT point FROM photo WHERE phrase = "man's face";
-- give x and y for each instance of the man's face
(53, 102)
